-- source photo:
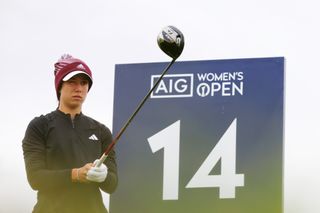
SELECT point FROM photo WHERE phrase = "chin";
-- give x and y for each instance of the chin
(75, 104)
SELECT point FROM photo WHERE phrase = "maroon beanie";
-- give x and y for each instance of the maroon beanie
(66, 68)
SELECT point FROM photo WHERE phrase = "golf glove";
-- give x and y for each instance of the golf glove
(97, 174)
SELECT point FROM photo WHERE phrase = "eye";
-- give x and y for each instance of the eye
(84, 82)
(71, 81)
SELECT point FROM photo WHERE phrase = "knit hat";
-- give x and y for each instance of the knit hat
(66, 68)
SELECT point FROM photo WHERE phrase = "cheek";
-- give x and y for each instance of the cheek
(86, 89)
(64, 89)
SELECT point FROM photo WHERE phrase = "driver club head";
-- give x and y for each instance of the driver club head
(171, 41)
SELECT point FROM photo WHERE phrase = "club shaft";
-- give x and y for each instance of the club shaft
(116, 139)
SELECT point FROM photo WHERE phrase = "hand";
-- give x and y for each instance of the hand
(80, 174)
(97, 174)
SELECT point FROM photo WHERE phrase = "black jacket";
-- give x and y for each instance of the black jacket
(52, 146)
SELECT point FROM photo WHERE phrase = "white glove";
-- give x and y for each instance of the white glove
(97, 174)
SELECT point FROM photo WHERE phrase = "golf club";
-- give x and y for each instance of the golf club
(170, 41)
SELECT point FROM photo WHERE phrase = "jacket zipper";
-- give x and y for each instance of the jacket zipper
(72, 122)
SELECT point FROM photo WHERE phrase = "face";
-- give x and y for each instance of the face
(74, 92)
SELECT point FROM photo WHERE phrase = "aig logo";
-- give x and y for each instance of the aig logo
(173, 86)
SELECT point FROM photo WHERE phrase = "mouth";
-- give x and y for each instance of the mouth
(78, 97)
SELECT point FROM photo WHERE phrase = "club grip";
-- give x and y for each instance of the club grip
(101, 160)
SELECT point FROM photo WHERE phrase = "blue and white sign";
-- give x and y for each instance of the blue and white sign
(209, 139)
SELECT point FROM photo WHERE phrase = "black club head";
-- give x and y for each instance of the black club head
(171, 41)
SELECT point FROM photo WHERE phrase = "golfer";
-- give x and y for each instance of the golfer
(60, 148)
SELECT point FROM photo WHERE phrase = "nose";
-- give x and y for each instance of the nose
(78, 86)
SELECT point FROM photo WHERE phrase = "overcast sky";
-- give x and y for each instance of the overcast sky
(35, 33)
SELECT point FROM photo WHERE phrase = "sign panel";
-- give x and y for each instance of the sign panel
(209, 139)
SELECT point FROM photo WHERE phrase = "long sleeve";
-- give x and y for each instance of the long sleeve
(111, 182)
(34, 150)
(53, 145)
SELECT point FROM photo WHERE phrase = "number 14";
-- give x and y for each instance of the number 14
(225, 149)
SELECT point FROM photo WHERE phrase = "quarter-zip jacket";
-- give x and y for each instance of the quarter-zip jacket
(52, 146)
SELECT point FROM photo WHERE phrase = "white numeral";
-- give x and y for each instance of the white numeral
(168, 139)
(228, 180)
(225, 151)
